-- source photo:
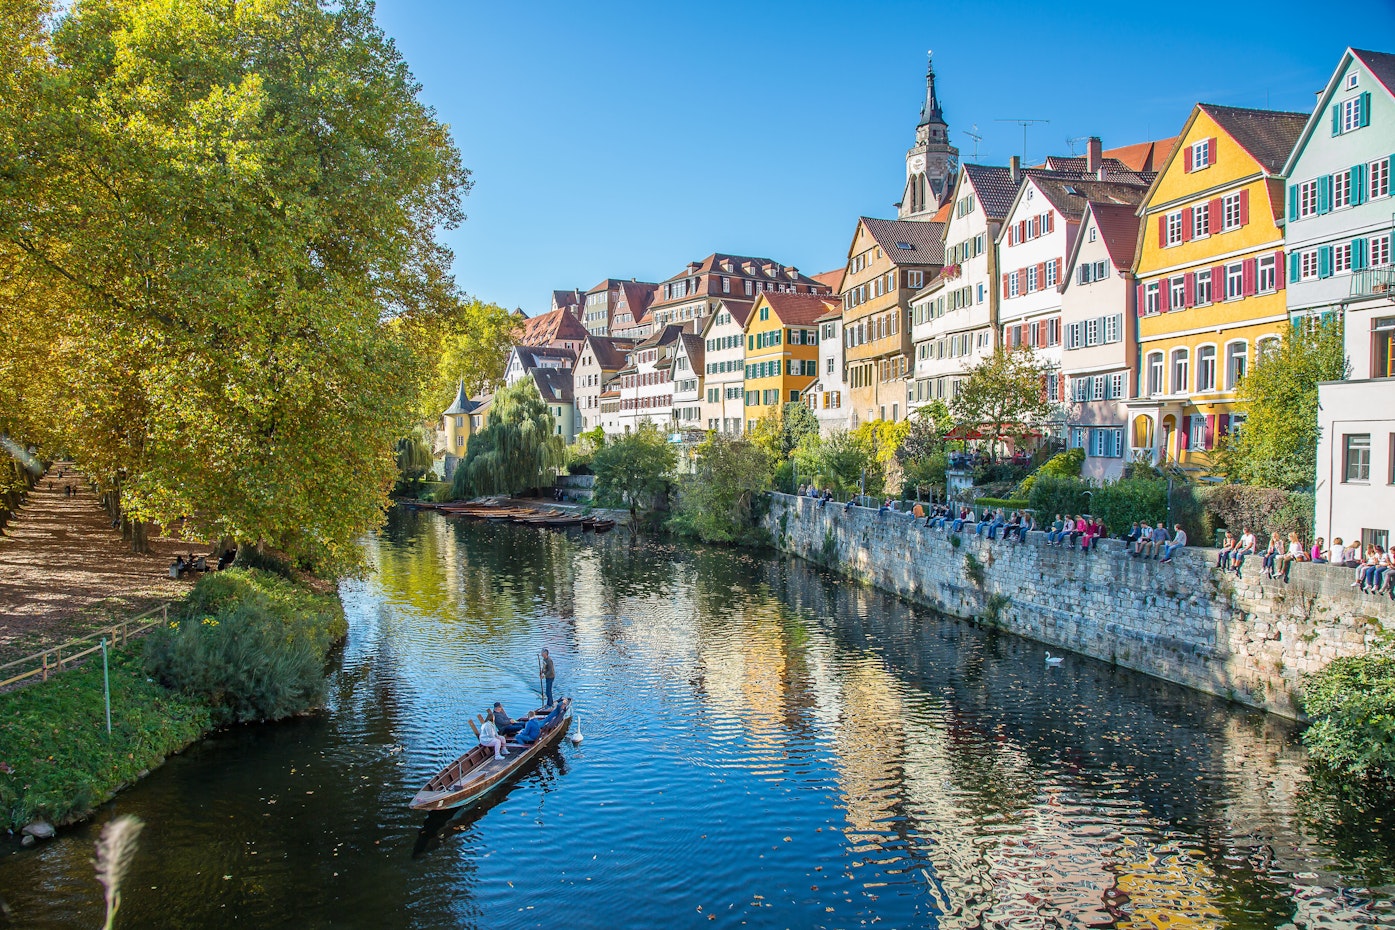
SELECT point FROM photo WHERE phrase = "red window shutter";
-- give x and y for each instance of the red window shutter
(1005, 280)
(1141, 305)
(1210, 151)
(1058, 273)
(1190, 278)
(1244, 207)
(1218, 284)
(1215, 207)
(1247, 277)
(1041, 274)
(1182, 435)
(1012, 230)
(1186, 224)
(1022, 231)
(1222, 424)
(1162, 230)
(1210, 431)
(1050, 222)
(1060, 388)
(1280, 270)
(1187, 159)
(1164, 287)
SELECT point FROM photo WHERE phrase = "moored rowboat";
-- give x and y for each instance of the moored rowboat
(477, 772)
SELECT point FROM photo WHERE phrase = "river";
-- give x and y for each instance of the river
(765, 745)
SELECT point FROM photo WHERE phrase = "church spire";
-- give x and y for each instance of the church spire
(930, 112)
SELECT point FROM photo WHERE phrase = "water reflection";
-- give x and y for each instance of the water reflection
(767, 745)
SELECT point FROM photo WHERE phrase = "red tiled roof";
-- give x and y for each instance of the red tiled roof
(1118, 225)
(1143, 156)
(942, 214)
(800, 309)
(925, 245)
(554, 326)
(1268, 135)
(994, 186)
(610, 351)
(832, 279)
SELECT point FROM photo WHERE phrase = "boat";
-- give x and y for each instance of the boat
(477, 773)
(598, 526)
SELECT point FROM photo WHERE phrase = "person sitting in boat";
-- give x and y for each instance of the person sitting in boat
(506, 725)
(534, 726)
(490, 738)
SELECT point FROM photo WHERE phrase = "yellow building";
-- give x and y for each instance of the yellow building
(782, 350)
(1210, 267)
(459, 422)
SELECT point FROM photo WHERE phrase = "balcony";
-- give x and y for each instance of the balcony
(1374, 282)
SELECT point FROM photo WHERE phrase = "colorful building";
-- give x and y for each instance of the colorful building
(1210, 265)
(1338, 238)
(782, 350)
(724, 367)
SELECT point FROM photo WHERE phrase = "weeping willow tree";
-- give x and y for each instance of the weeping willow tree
(413, 460)
(518, 447)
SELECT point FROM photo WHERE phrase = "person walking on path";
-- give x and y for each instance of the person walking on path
(548, 672)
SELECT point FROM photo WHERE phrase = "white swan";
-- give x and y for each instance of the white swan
(1053, 661)
(575, 735)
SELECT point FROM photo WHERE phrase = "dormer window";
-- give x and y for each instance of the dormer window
(1352, 79)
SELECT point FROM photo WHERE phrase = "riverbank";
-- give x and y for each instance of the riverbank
(245, 645)
(1246, 638)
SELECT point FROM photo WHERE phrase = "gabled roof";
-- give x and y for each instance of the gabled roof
(610, 351)
(530, 357)
(667, 334)
(942, 215)
(1114, 169)
(609, 284)
(693, 347)
(803, 309)
(835, 314)
(1268, 135)
(994, 186)
(555, 326)
(1382, 68)
(566, 298)
(1069, 194)
(554, 384)
(908, 242)
(1118, 224)
(832, 279)
(1143, 156)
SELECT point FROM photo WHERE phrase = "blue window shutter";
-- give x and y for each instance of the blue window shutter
(1293, 267)
(1336, 120)
(1366, 109)
(1325, 194)
(1358, 254)
(1358, 184)
(1324, 261)
(1293, 202)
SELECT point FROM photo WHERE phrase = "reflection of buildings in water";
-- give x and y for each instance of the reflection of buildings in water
(1166, 884)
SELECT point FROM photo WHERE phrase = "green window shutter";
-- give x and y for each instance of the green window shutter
(1366, 109)
(1358, 254)
(1358, 184)
(1325, 194)
(1336, 119)
(1293, 202)
(1293, 268)
(1325, 261)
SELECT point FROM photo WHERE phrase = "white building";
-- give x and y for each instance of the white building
(688, 383)
(523, 359)
(646, 385)
(724, 372)
(600, 360)
(1100, 336)
(828, 396)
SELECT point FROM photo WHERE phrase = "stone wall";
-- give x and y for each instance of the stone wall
(1245, 638)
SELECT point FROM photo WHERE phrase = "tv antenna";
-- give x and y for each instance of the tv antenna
(1024, 123)
(974, 134)
(1072, 142)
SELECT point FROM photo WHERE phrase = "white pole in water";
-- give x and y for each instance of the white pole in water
(106, 683)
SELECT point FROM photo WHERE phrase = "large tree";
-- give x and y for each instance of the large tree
(716, 500)
(1277, 446)
(518, 448)
(467, 344)
(634, 469)
(227, 204)
(1004, 396)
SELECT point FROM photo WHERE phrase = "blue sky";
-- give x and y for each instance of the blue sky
(626, 139)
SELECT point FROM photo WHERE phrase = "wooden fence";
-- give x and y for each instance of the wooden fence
(41, 665)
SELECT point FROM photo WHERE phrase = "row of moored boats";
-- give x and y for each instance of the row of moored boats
(529, 516)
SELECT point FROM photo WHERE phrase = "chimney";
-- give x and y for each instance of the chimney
(692, 267)
(1094, 155)
(1014, 168)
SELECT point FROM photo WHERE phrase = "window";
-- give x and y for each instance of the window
(1235, 281)
(1267, 274)
(1032, 283)
(1201, 223)
(1230, 212)
(1097, 387)
(1378, 184)
(1197, 430)
(1174, 229)
(1341, 189)
(1206, 368)
(1073, 335)
(1151, 298)
(1236, 356)
(1051, 273)
(1013, 283)
(1177, 293)
(1093, 234)
(1202, 287)
(764, 313)
(1356, 457)
(1352, 79)
(1200, 154)
(1341, 257)
(1351, 114)
(1266, 345)
(1308, 265)
(1113, 325)
(1308, 198)
(1155, 374)
(1380, 250)
(1179, 371)
(1116, 385)
(914, 278)
(1092, 332)
(1077, 437)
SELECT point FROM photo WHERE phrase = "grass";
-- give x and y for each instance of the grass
(53, 738)
(53, 741)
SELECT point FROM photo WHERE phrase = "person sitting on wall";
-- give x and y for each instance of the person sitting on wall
(1296, 553)
(1246, 546)
(1227, 549)
(1318, 554)
(1350, 553)
(1272, 552)
(1179, 539)
(847, 508)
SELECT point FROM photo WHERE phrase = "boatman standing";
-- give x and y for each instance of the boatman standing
(547, 673)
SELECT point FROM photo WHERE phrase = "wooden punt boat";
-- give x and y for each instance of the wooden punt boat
(477, 773)
(599, 526)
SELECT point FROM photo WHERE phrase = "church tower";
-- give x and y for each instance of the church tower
(932, 163)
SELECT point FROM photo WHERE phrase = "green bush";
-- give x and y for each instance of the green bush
(1262, 510)
(1352, 704)
(1006, 503)
(1119, 504)
(1052, 495)
(1065, 464)
(250, 644)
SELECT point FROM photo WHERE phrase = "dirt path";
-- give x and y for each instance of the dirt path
(65, 571)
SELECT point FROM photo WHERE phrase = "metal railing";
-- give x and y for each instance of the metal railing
(1374, 282)
(42, 665)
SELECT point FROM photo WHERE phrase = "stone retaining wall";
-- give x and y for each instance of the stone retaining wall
(1245, 638)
